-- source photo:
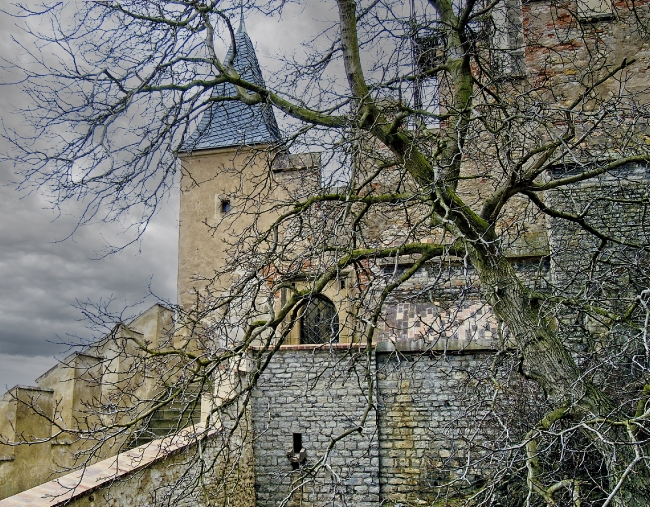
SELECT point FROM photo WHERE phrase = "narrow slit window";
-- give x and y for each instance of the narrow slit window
(297, 442)
(225, 206)
(297, 447)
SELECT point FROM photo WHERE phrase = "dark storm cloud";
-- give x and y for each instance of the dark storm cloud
(41, 277)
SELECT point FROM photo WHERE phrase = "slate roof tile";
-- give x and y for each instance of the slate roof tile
(233, 123)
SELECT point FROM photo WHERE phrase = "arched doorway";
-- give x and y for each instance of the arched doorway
(319, 322)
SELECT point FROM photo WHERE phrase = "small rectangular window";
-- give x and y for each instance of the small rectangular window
(297, 442)
(297, 447)
(223, 204)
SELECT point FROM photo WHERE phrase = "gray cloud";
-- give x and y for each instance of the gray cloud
(41, 277)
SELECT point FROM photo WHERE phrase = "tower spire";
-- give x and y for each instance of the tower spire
(242, 25)
(227, 123)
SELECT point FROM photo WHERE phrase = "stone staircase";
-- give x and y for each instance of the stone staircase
(183, 411)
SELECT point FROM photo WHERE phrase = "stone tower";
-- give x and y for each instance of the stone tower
(224, 167)
(237, 176)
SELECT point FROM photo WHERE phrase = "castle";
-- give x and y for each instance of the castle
(330, 419)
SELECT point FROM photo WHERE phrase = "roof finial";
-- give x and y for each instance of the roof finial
(242, 25)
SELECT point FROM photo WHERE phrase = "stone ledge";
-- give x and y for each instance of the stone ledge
(317, 346)
(284, 162)
(455, 346)
(383, 347)
(32, 388)
(63, 442)
(11, 392)
(324, 346)
(91, 478)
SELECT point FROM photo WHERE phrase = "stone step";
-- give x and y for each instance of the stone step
(166, 414)
(178, 414)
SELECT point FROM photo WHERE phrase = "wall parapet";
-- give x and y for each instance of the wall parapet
(389, 346)
(81, 483)
(447, 345)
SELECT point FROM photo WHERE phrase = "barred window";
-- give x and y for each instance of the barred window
(319, 322)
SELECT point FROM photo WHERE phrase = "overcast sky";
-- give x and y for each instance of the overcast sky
(42, 277)
(43, 274)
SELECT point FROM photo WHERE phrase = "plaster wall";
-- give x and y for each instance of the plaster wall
(169, 471)
(24, 466)
(71, 396)
(257, 185)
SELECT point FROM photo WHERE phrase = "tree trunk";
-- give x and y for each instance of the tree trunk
(546, 360)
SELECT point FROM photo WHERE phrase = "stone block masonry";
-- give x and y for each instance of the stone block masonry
(608, 274)
(414, 440)
(315, 395)
(420, 431)
(425, 434)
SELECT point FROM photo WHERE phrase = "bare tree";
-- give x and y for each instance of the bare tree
(464, 135)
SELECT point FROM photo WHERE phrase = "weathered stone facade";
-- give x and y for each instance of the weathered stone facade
(441, 302)
(415, 442)
(423, 423)
(319, 393)
(414, 409)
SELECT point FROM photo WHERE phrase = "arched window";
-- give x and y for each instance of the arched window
(319, 322)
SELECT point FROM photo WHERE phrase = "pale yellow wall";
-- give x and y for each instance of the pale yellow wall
(259, 187)
(69, 394)
(205, 234)
(26, 465)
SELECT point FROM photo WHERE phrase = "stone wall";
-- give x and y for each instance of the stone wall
(616, 205)
(170, 471)
(424, 432)
(420, 439)
(415, 443)
(441, 302)
(611, 275)
(319, 393)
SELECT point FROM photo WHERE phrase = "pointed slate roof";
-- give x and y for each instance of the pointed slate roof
(233, 123)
